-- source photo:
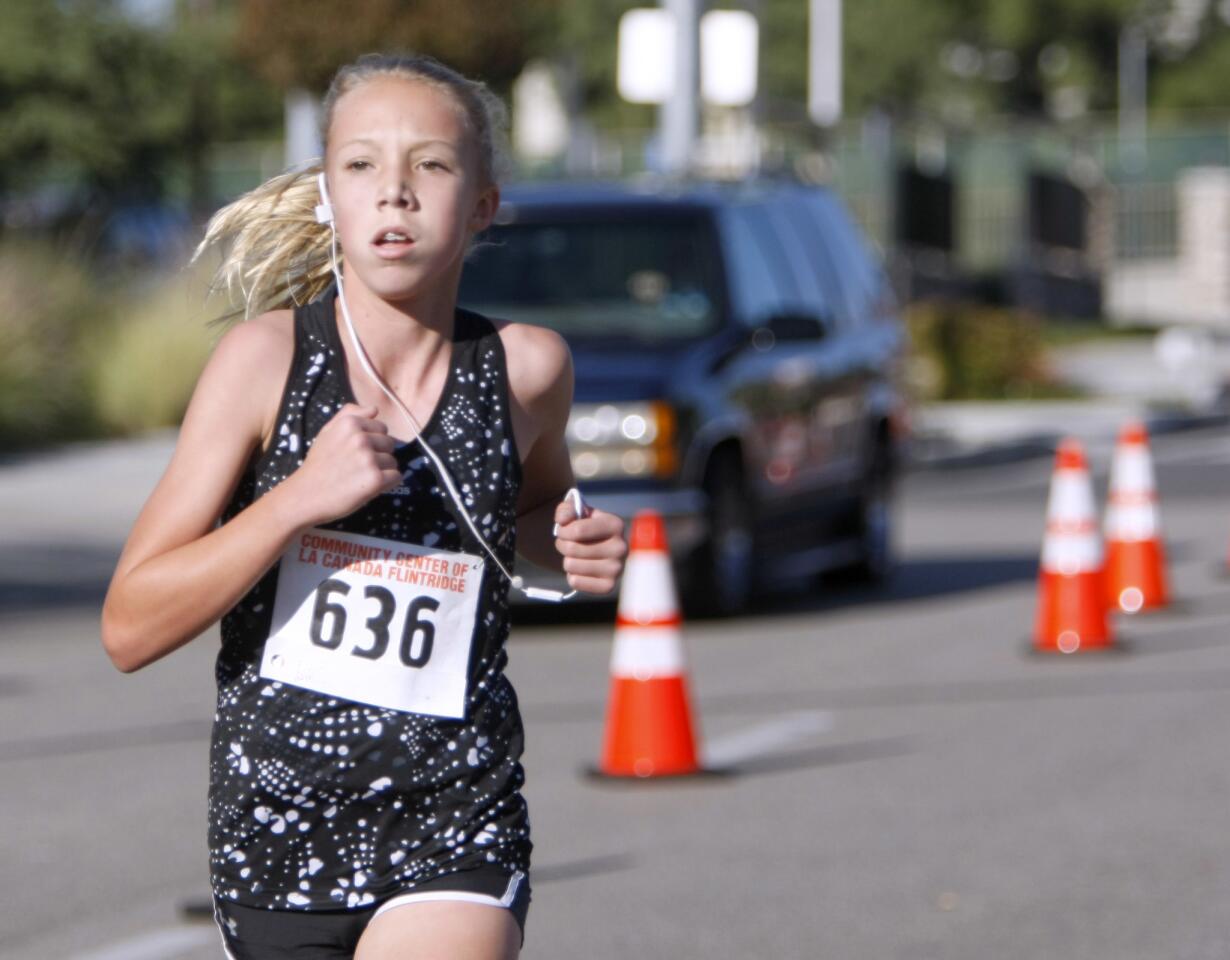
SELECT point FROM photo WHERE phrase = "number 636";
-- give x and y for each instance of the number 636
(418, 630)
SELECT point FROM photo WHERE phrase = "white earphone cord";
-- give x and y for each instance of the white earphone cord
(536, 593)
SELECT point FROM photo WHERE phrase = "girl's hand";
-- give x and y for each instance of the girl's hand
(350, 462)
(592, 546)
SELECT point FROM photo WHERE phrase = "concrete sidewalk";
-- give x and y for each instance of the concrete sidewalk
(1170, 384)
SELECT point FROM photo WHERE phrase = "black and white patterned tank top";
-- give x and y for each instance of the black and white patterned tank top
(321, 801)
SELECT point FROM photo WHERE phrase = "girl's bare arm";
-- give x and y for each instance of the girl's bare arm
(589, 550)
(179, 572)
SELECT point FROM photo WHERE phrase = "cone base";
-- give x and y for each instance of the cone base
(648, 729)
(1071, 613)
(700, 773)
(1120, 648)
(1135, 576)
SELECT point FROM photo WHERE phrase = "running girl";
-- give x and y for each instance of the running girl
(365, 777)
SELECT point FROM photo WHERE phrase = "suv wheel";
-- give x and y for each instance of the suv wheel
(874, 519)
(720, 579)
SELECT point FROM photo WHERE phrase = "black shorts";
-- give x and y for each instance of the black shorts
(250, 933)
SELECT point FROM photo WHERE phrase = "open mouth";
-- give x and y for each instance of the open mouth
(392, 240)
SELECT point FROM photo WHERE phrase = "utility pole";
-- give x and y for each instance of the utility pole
(1133, 97)
(677, 120)
(824, 62)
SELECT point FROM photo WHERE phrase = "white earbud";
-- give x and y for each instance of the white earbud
(324, 209)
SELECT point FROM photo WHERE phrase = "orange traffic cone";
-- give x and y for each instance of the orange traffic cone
(1071, 583)
(649, 729)
(1135, 555)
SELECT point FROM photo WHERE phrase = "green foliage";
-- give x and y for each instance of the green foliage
(1088, 30)
(974, 352)
(142, 367)
(1197, 81)
(57, 109)
(87, 94)
(586, 47)
(300, 43)
(84, 358)
(892, 53)
(49, 303)
(896, 56)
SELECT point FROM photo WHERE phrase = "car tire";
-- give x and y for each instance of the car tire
(722, 572)
(874, 527)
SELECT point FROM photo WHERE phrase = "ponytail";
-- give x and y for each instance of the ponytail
(275, 254)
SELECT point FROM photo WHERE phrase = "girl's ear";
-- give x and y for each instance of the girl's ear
(484, 209)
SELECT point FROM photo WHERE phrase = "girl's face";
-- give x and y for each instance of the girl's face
(404, 179)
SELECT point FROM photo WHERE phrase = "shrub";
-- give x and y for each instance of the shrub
(144, 365)
(962, 351)
(49, 300)
(86, 355)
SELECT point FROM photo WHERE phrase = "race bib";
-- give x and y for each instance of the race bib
(376, 621)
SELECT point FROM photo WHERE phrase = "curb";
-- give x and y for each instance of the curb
(1030, 432)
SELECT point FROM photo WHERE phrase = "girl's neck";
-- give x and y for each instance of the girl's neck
(400, 338)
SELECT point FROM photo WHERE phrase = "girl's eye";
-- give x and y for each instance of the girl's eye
(357, 164)
(432, 165)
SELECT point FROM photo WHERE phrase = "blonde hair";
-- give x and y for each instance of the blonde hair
(275, 253)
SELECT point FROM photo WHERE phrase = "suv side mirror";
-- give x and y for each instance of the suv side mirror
(788, 327)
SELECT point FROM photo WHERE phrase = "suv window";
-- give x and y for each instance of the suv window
(808, 257)
(761, 279)
(859, 281)
(648, 278)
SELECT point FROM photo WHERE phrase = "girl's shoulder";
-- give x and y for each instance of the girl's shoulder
(250, 340)
(538, 360)
(250, 364)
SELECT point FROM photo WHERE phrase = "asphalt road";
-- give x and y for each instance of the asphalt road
(907, 781)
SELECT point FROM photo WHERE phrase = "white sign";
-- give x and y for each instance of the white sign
(375, 621)
(728, 57)
(729, 41)
(646, 56)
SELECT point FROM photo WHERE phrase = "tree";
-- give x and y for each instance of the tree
(301, 43)
(892, 53)
(78, 91)
(586, 51)
(1087, 30)
(1195, 78)
(1027, 57)
(89, 96)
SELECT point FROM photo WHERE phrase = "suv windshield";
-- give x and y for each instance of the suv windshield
(648, 279)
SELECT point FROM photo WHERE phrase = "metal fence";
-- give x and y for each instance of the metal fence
(1130, 184)
(1145, 221)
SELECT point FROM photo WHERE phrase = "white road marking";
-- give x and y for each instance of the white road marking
(766, 737)
(165, 944)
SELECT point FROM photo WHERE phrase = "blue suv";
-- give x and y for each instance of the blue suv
(737, 350)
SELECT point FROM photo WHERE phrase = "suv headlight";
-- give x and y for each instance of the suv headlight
(622, 440)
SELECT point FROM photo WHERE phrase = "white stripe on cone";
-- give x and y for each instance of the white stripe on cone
(1131, 514)
(648, 644)
(648, 591)
(1131, 469)
(1072, 544)
(647, 653)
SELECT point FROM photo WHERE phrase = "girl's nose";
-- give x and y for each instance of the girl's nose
(397, 191)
